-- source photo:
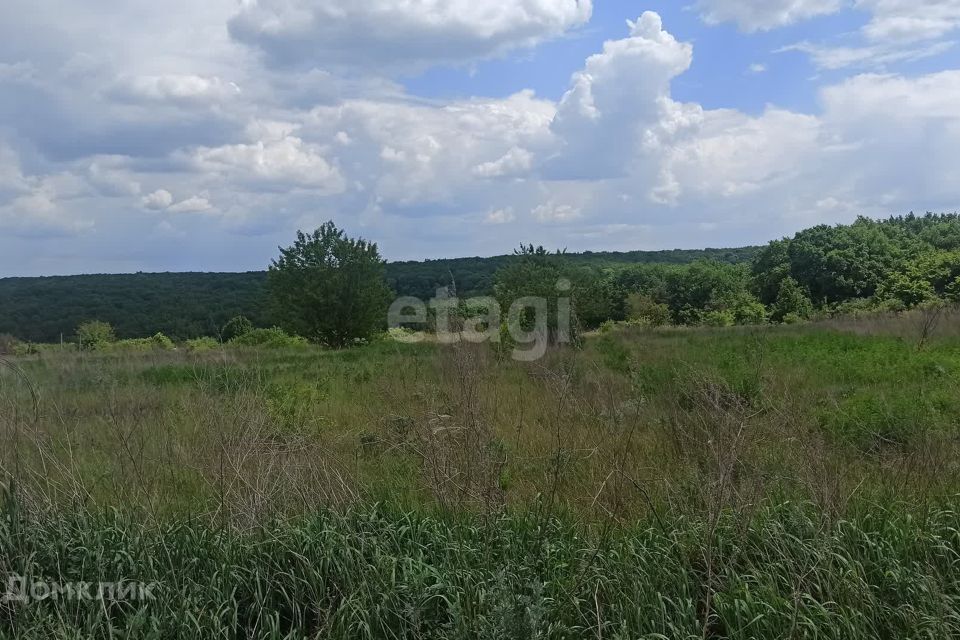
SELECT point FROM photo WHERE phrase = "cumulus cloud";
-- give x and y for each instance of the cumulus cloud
(408, 154)
(513, 162)
(175, 88)
(621, 102)
(398, 33)
(287, 161)
(33, 205)
(158, 200)
(762, 15)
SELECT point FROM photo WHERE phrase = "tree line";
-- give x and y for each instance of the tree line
(334, 290)
(188, 305)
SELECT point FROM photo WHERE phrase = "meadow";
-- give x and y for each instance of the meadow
(750, 482)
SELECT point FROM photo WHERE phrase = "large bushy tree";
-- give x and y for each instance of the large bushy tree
(329, 288)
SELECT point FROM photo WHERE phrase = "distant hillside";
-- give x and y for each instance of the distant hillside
(184, 305)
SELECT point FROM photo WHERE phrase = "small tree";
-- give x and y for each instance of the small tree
(792, 303)
(330, 288)
(236, 327)
(646, 311)
(95, 335)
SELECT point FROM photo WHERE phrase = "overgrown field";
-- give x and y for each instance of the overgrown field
(777, 482)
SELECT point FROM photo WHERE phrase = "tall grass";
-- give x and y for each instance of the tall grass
(380, 573)
(788, 482)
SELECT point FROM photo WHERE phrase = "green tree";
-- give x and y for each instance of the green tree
(791, 301)
(329, 288)
(236, 327)
(95, 335)
(536, 273)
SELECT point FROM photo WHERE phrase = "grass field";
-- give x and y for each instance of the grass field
(776, 482)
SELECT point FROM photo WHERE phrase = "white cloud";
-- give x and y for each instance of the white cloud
(762, 15)
(734, 154)
(871, 56)
(555, 212)
(33, 205)
(176, 88)
(910, 20)
(158, 200)
(500, 216)
(513, 162)
(193, 204)
(621, 102)
(757, 67)
(375, 34)
(898, 31)
(405, 153)
(288, 161)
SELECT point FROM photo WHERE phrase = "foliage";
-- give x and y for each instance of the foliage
(156, 342)
(180, 305)
(908, 258)
(330, 288)
(274, 338)
(235, 327)
(792, 301)
(202, 344)
(704, 292)
(187, 305)
(644, 310)
(95, 335)
(593, 297)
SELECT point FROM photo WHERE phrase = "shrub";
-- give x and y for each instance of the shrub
(202, 344)
(645, 311)
(718, 319)
(236, 327)
(155, 342)
(274, 338)
(95, 335)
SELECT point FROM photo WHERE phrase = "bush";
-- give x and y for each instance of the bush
(236, 327)
(718, 319)
(202, 344)
(95, 335)
(645, 311)
(274, 338)
(156, 342)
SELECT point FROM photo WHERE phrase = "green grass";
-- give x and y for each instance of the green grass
(778, 482)
(377, 573)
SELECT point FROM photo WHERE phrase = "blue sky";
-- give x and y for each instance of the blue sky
(200, 136)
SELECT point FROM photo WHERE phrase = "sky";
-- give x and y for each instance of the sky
(200, 136)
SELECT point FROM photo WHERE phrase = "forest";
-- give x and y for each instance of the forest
(187, 305)
(870, 265)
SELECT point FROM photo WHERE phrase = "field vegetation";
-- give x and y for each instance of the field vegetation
(765, 482)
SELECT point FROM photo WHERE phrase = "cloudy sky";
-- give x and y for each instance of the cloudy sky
(184, 135)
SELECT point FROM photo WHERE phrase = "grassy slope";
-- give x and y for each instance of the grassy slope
(792, 481)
